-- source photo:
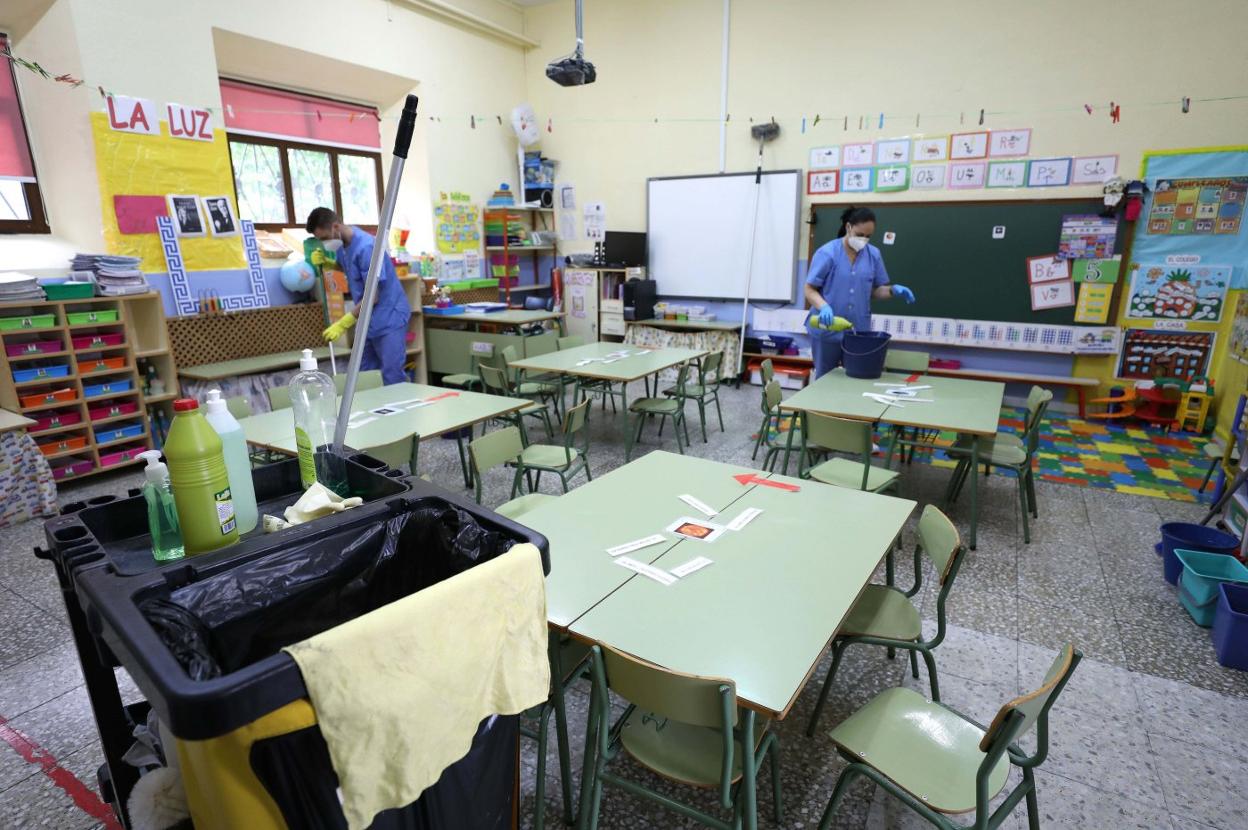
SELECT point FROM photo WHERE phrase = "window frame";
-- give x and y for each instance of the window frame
(283, 145)
(38, 221)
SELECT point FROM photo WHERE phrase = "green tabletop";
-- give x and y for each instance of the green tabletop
(837, 394)
(766, 609)
(971, 407)
(256, 365)
(640, 362)
(688, 325)
(450, 411)
(511, 317)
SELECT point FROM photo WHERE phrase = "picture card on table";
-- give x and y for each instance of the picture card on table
(857, 155)
(695, 564)
(1009, 143)
(657, 574)
(698, 505)
(744, 518)
(629, 547)
(699, 529)
(969, 145)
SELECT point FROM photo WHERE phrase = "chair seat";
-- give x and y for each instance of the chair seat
(547, 456)
(994, 452)
(928, 750)
(655, 406)
(883, 612)
(680, 751)
(533, 387)
(532, 409)
(461, 381)
(841, 472)
(519, 506)
(692, 390)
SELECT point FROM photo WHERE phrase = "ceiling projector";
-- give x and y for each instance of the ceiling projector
(573, 70)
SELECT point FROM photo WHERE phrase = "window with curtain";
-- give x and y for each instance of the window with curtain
(21, 205)
(293, 152)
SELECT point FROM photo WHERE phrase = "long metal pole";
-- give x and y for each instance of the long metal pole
(402, 141)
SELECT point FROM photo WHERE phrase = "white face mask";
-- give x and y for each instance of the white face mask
(856, 242)
(333, 245)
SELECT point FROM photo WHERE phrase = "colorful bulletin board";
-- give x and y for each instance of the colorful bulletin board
(458, 224)
(1147, 354)
(134, 164)
(1238, 346)
(1198, 205)
(1178, 291)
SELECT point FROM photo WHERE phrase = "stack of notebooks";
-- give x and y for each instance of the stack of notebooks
(17, 288)
(113, 275)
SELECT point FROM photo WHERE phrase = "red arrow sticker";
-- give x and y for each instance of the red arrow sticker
(913, 378)
(746, 479)
(443, 395)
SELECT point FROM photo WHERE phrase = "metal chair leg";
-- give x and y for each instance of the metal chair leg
(929, 660)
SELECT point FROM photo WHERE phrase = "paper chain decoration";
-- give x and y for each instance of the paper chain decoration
(184, 303)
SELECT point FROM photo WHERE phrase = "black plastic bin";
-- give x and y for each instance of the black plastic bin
(202, 637)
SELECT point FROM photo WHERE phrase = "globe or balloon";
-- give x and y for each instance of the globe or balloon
(297, 276)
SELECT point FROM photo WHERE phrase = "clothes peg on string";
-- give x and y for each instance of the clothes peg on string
(500, 120)
(1186, 104)
(803, 125)
(860, 122)
(981, 118)
(846, 126)
(916, 120)
(961, 118)
(550, 125)
(472, 121)
(1088, 108)
(816, 124)
(1115, 112)
(881, 121)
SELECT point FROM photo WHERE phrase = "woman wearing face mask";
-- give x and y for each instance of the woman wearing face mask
(844, 275)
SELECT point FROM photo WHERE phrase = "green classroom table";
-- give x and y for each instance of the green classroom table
(449, 350)
(640, 363)
(510, 317)
(448, 411)
(688, 325)
(969, 407)
(260, 364)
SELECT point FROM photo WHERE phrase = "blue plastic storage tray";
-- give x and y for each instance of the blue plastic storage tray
(116, 433)
(94, 390)
(450, 309)
(40, 372)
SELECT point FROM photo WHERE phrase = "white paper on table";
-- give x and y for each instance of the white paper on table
(744, 518)
(629, 547)
(657, 574)
(699, 505)
(695, 564)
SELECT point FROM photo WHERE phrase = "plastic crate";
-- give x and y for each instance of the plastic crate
(69, 290)
(94, 365)
(56, 419)
(110, 433)
(103, 315)
(47, 396)
(120, 456)
(72, 467)
(1230, 626)
(99, 413)
(1202, 574)
(450, 309)
(34, 321)
(62, 443)
(1190, 536)
(32, 347)
(55, 370)
(97, 340)
(94, 390)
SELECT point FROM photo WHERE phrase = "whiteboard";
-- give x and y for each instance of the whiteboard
(698, 235)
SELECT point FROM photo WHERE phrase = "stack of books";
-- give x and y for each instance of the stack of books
(113, 275)
(16, 288)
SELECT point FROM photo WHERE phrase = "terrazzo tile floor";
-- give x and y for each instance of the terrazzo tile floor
(1152, 733)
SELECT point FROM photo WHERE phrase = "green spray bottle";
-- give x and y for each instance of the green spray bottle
(201, 484)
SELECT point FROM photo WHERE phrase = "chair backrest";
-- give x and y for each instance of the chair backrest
(569, 342)
(395, 454)
(906, 361)
(838, 434)
(940, 541)
(767, 370)
(493, 358)
(238, 406)
(771, 397)
(510, 354)
(682, 378)
(1032, 439)
(493, 449)
(698, 701)
(279, 397)
(710, 368)
(495, 380)
(364, 380)
(1036, 404)
(1021, 713)
(574, 421)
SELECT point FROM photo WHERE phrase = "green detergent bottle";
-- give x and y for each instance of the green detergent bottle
(201, 483)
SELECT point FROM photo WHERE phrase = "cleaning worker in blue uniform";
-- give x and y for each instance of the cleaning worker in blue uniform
(844, 276)
(386, 348)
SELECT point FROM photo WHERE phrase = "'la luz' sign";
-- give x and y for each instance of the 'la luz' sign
(139, 115)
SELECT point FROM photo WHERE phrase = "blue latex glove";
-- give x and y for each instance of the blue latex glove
(903, 292)
(826, 316)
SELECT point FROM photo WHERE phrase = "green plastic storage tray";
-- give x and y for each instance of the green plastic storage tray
(70, 290)
(35, 321)
(104, 315)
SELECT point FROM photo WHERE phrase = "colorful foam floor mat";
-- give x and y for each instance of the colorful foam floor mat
(1109, 456)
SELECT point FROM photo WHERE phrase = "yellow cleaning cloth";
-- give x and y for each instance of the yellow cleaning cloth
(399, 692)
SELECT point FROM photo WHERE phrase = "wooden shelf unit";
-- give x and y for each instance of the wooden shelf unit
(539, 219)
(145, 340)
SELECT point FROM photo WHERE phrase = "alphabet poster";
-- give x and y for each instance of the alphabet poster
(1178, 291)
(1198, 206)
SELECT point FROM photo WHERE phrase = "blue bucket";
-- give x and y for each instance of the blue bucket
(863, 353)
(1189, 536)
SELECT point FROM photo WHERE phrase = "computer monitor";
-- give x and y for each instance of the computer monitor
(625, 249)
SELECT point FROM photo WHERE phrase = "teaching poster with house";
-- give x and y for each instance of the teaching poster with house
(1166, 291)
(1198, 206)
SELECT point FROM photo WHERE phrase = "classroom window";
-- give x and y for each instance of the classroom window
(21, 205)
(358, 177)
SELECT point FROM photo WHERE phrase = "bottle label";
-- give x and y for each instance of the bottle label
(225, 511)
(307, 458)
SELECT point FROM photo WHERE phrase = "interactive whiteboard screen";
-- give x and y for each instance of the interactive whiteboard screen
(699, 229)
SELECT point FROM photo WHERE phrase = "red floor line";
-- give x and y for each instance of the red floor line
(84, 797)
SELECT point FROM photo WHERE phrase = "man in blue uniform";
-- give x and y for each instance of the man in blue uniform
(386, 346)
(845, 274)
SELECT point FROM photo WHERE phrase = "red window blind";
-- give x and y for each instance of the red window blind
(15, 161)
(276, 113)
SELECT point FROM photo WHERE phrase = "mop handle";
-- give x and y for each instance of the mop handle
(402, 141)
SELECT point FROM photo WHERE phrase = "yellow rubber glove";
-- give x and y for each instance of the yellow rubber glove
(338, 329)
(318, 258)
(838, 323)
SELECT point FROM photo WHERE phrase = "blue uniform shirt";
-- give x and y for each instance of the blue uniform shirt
(847, 288)
(392, 310)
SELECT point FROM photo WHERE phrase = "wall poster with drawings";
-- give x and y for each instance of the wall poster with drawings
(1160, 291)
(1147, 354)
(1198, 206)
(1238, 348)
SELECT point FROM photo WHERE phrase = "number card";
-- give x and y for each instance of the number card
(892, 151)
(1007, 174)
(1047, 269)
(1048, 173)
(1094, 169)
(928, 176)
(967, 174)
(931, 149)
(856, 155)
(857, 180)
(1052, 295)
(969, 146)
(819, 182)
(825, 158)
(892, 178)
(1097, 270)
(1009, 143)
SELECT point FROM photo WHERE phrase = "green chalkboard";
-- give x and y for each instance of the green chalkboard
(944, 251)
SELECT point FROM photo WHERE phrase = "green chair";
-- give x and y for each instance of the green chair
(828, 434)
(569, 662)
(885, 616)
(997, 453)
(1215, 452)
(706, 389)
(470, 380)
(767, 370)
(548, 388)
(770, 411)
(497, 383)
(563, 460)
(279, 397)
(571, 341)
(900, 360)
(772, 416)
(238, 406)
(398, 453)
(664, 408)
(370, 379)
(588, 386)
(685, 728)
(497, 449)
(939, 762)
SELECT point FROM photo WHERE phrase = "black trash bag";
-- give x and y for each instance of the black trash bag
(222, 623)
